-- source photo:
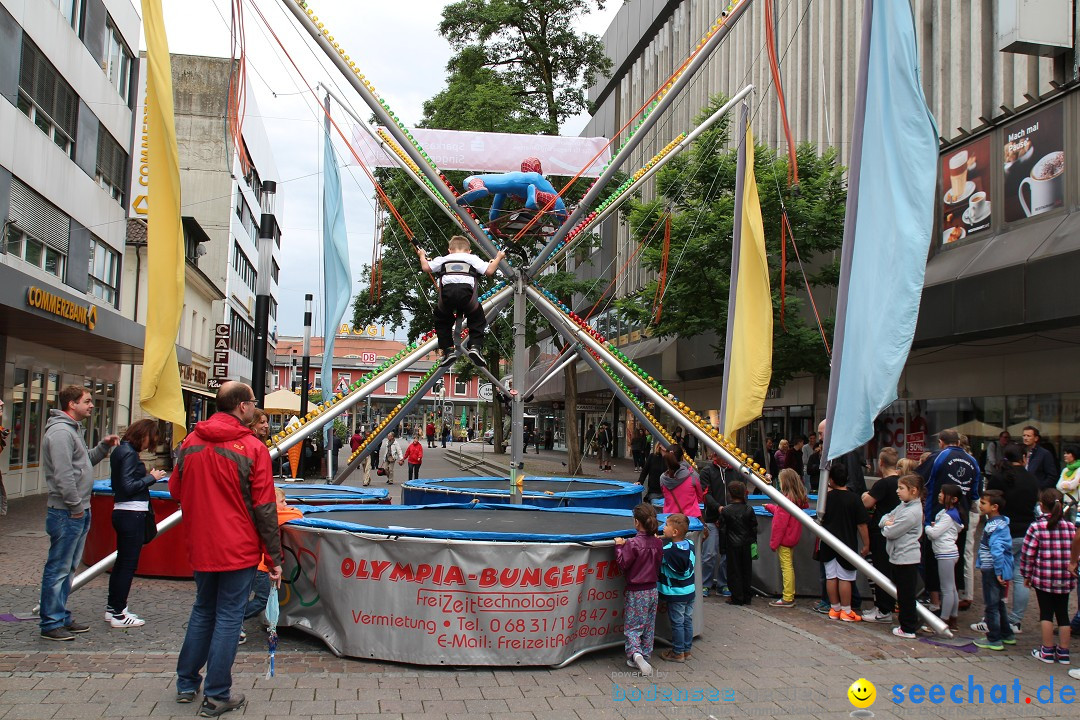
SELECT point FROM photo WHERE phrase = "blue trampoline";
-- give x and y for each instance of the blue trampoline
(545, 492)
(295, 493)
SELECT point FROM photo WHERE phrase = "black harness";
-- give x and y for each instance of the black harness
(458, 268)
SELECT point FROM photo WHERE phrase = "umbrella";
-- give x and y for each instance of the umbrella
(282, 401)
(271, 620)
(977, 429)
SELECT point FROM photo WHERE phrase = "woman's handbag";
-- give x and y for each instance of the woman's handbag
(150, 531)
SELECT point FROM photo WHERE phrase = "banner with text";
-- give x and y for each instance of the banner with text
(496, 152)
(454, 602)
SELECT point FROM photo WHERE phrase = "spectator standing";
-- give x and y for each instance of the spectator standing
(1038, 459)
(394, 456)
(995, 458)
(414, 455)
(69, 476)
(713, 549)
(224, 482)
(131, 485)
(880, 500)
(1069, 482)
(651, 472)
(739, 525)
(1020, 492)
(1044, 564)
(430, 432)
(846, 518)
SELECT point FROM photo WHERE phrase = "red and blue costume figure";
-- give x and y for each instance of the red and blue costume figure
(529, 187)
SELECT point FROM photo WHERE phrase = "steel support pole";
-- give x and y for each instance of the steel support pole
(517, 397)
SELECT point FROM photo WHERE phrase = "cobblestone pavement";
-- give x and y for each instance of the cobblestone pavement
(751, 661)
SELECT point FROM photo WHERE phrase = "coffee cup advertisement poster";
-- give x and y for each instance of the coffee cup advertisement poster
(1035, 164)
(965, 201)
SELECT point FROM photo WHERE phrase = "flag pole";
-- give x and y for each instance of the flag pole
(851, 212)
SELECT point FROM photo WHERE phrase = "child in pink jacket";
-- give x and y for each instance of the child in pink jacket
(786, 532)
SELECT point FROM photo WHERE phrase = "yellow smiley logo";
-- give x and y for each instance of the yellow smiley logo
(862, 693)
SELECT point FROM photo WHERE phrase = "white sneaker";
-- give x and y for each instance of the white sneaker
(875, 615)
(126, 621)
(642, 664)
(980, 627)
(1075, 673)
(899, 632)
(109, 614)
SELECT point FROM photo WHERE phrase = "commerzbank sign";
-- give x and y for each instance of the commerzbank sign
(53, 304)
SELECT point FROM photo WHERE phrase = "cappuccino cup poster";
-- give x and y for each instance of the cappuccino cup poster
(965, 201)
(1035, 164)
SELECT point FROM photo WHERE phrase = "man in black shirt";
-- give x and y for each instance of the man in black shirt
(880, 500)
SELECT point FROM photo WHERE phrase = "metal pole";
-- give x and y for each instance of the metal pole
(739, 462)
(305, 362)
(517, 397)
(269, 232)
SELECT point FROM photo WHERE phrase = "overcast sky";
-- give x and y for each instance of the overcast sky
(396, 45)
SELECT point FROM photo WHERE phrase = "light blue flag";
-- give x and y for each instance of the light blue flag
(890, 218)
(337, 285)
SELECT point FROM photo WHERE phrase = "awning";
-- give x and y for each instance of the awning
(1021, 279)
(39, 312)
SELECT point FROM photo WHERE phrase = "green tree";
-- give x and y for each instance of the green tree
(698, 189)
(533, 47)
(491, 87)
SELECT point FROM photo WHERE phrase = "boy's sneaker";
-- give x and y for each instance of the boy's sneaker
(782, 603)
(213, 707)
(447, 359)
(850, 616)
(834, 614)
(109, 612)
(725, 591)
(823, 607)
(979, 627)
(1043, 654)
(875, 615)
(642, 664)
(126, 621)
(476, 357)
(987, 645)
(705, 592)
(1062, 655)
(899, 632)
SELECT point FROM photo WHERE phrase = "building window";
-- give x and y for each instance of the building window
(241, 337)
(390, 388)
(47, 99)
(119, 62)
(111, 161)
(318, 380)
(104, 271)
(413, 382)
(243, 267)
(30, 249)
(274, 270)
(70, 10)
(461, 386)
(273, 308)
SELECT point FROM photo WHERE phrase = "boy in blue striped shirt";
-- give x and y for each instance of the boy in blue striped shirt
(676, 586)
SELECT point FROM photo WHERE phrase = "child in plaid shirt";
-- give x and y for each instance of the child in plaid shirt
(1044, 564)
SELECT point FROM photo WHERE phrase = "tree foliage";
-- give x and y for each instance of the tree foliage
(531, 45)
(698, 188)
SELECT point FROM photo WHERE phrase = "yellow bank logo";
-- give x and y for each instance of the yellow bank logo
(862, 693)
(61, 307)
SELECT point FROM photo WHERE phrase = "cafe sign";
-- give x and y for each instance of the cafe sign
(82, 314)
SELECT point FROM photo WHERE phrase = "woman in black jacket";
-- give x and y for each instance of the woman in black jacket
(131, 502)
(650, 474)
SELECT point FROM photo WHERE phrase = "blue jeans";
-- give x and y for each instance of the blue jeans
(213, 631)
(997, 620)
(681, 616)
(260, 586)
(1020, 592)
(67, 536)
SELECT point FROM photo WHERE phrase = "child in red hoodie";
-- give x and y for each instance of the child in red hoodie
(786, 532)
(639, 559)
(414, 455)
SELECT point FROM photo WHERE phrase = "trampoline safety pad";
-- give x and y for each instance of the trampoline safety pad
(459, 584)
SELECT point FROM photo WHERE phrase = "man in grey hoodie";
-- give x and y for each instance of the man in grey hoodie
(69, 475)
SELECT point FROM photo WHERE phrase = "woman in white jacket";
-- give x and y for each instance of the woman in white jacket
(943, 533)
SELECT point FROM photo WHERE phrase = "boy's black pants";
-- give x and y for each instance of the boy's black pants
(456, 299)
(740, 570)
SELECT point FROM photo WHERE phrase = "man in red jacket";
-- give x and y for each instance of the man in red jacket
(224, 483)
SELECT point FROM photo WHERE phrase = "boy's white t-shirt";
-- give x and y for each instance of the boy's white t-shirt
(437, 264)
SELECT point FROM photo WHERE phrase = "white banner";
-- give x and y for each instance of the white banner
(496, 152)
(454, 602)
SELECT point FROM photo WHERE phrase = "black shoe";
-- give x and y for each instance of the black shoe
(213, 707)
(75, 627)
(187, 696)
(476, 358)
(447, 359)
(57, 634)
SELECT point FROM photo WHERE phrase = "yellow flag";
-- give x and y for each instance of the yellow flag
(160, 392)
(748, 354)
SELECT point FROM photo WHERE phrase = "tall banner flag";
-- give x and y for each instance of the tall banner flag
(160, 393)
(748, 346)
(336, 284)
(890, 217)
